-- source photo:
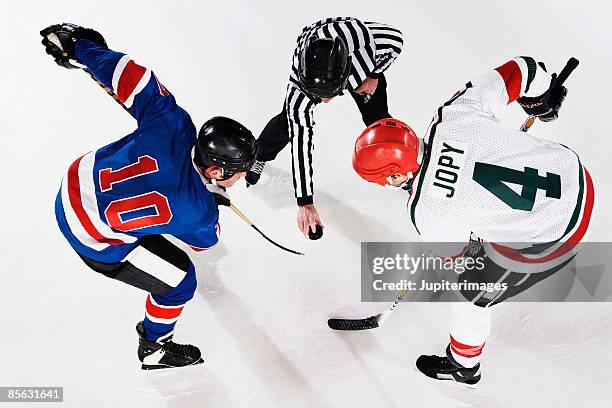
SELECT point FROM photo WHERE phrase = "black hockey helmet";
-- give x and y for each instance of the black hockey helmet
(225, 143)
(324, 66)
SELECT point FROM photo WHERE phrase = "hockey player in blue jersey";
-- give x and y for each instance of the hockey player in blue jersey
(122, 206)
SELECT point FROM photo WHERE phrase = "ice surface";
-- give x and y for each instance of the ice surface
(260, 314)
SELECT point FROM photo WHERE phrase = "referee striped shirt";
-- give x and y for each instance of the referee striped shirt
(372, 46)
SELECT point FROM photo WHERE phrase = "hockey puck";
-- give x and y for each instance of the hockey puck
(317, 234)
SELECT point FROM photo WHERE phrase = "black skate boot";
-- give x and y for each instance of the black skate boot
(252, 176)
(446, 368)
(164, 353)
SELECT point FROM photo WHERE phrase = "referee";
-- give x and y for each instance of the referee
(331, 55)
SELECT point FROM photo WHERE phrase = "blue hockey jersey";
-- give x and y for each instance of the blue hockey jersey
(143, 184)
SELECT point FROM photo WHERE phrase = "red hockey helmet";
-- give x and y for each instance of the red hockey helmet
(385, 148)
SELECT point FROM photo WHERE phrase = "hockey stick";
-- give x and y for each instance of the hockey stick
(569, 67)
(245, 219)
(236, 210)
(375, 321)
(528, 122)
(106, 89)
(371, 322)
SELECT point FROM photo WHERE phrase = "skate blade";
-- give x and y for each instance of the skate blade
(149, 367)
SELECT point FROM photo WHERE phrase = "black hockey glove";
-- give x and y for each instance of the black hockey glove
(60, 40)
(546, 106)
(221, 196)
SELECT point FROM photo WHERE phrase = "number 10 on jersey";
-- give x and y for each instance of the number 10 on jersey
(151, 200)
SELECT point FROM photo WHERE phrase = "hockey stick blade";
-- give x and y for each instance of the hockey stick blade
(353, 324)
(371, 322)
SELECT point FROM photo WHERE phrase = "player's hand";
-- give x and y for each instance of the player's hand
(546, 106)
(221, 196)
(60, 41)
(367, 87)
(308, 218)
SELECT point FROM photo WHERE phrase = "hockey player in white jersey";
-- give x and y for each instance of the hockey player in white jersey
(457, 178)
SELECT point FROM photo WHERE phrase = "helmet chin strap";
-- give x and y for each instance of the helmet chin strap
(406, 185)
(223, 178)
(206, 179)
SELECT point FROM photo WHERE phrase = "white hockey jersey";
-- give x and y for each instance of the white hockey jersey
(479, 175)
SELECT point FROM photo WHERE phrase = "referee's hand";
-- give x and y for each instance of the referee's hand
(368, 86)
(308, 219)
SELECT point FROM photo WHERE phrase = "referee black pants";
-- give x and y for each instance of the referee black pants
(275, 136)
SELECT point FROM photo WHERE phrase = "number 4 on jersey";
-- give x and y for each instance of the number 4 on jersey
(493, 178)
